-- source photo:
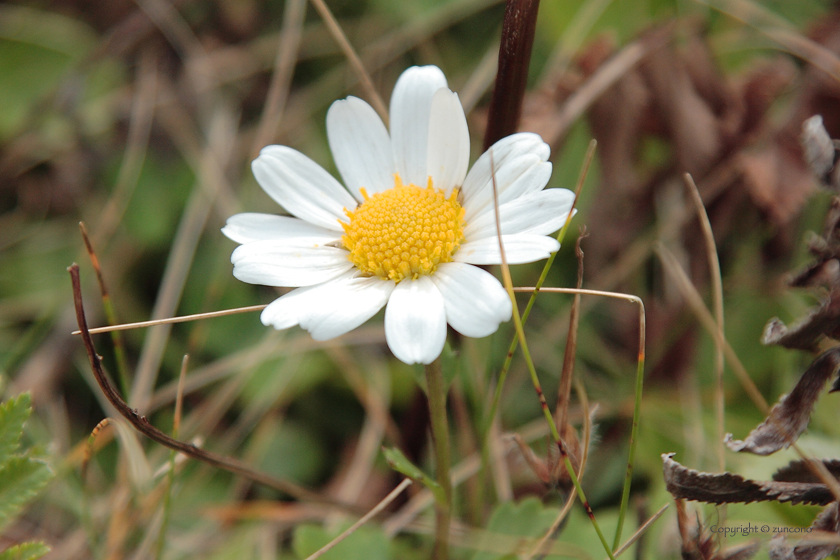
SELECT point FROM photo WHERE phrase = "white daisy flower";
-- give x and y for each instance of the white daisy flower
(407, 229)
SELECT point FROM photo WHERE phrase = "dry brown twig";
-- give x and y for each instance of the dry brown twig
(142, 424)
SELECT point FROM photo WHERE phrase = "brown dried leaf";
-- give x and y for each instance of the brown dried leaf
(828, 521)
(790, 416)
(825, 273)
(798, 471)
(728, 488)
(697, 543)
(700, 544)
(552, 470)
(808, 332)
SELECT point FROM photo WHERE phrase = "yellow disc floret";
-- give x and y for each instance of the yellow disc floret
(404, 232)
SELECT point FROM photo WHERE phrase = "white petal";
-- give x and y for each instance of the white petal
(411, 104)
(415, 321)
(286, 311)
(330, 309)
(520, 166)
(342, 306)
(360, 146)
(302, 187)
(519, 248)
(475, 301)
(448, 149)
(252, 226)
(540, 212)
(281, 263)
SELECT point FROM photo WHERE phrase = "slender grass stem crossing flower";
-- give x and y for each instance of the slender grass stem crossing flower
(407, 227)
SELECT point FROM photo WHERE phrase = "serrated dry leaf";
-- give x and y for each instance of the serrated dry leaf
(790, 416)
(728, 488)
(825, 272)
(798, 471)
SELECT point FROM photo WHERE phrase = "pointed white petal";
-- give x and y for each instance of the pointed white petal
(345, 305)
(330, 309)
(302, 187)
(519, 248)
(474, 300)
(253, 226)
(281, 263)
(415, 321)
(540, 212)
(411, 104)
(524, 175)
(504, 151)
(520, 166)
(448, 148)
(360, 146)
(286, 311)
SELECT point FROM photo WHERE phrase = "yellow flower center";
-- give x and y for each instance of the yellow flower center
(404, 232)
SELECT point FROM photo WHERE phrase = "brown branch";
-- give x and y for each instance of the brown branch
(518, 30)
(142, 425)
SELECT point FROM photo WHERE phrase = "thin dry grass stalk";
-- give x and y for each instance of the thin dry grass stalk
(352, 58)
(281, 78)
(717, 304)
(367, 517)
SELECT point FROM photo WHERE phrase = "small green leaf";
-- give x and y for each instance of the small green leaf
(25, 551)
(366, 543)
(20, 479)
(528, 518)
(401, 464)
(13, 414)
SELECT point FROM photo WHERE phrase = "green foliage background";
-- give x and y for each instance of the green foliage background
(69, 90)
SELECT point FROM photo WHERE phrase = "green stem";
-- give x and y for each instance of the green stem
(497, 395)
(552, 426)
(436, 388)
(634, 431)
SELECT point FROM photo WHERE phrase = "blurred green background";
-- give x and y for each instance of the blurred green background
(141, 118)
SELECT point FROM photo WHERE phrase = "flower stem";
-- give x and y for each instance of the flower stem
(436, 388)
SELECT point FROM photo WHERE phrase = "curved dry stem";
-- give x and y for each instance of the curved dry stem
(142, 424)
